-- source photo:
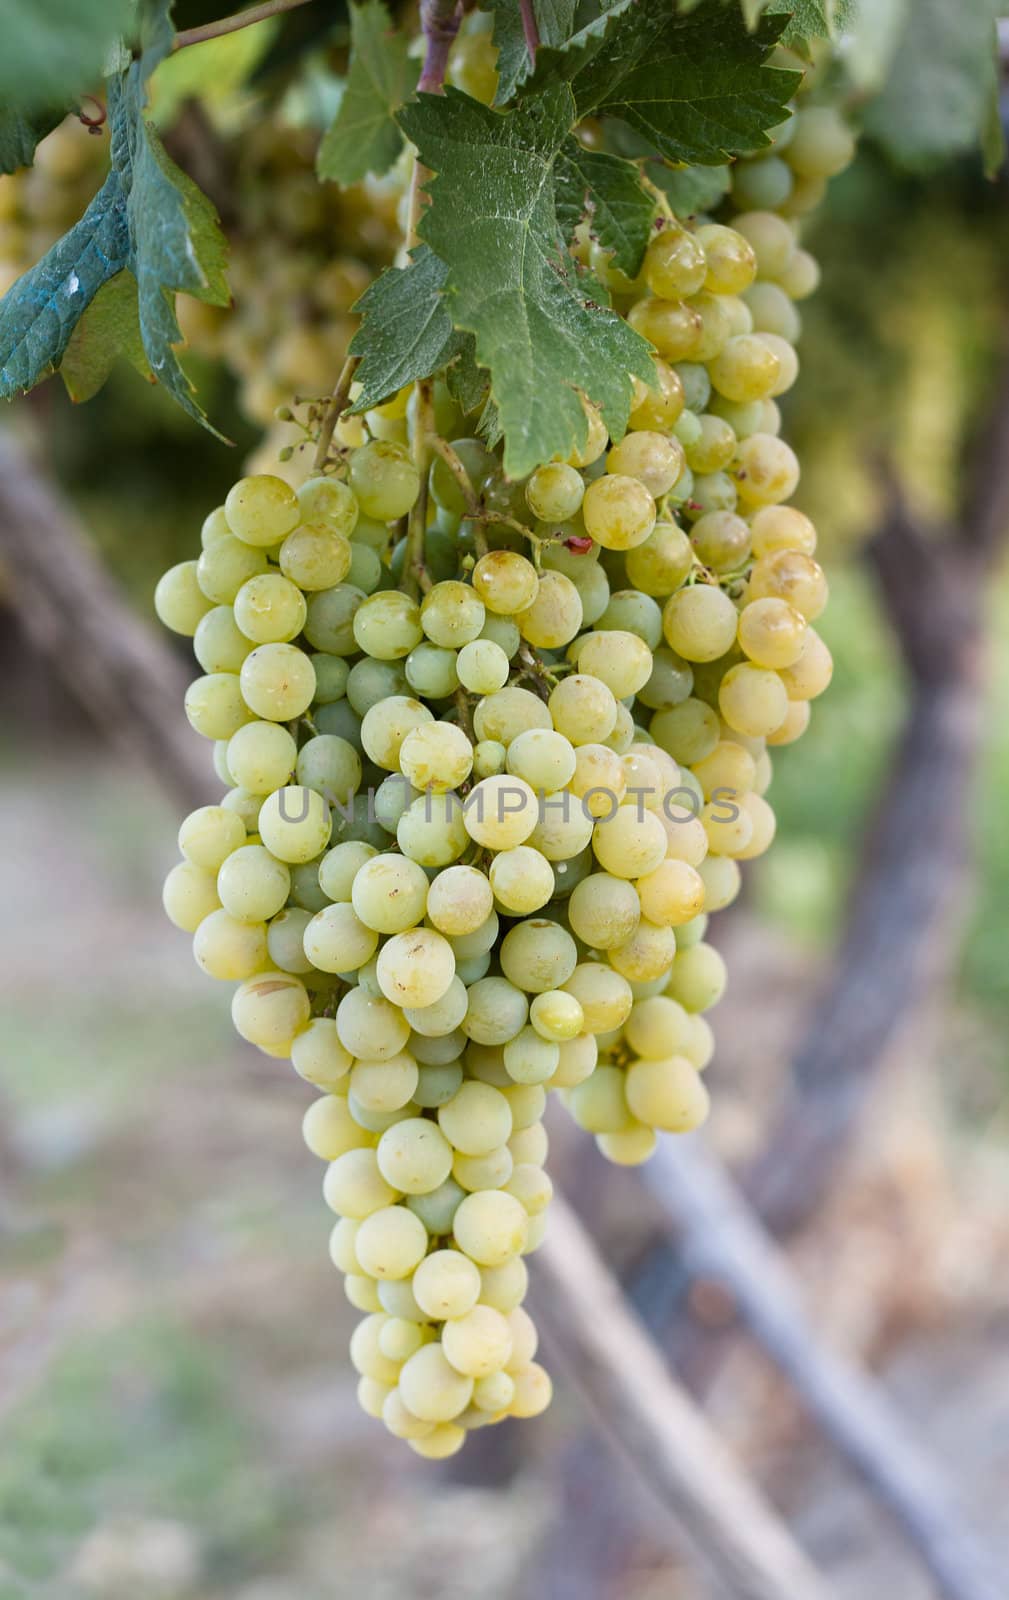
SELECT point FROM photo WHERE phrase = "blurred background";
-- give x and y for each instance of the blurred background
(178, 1411)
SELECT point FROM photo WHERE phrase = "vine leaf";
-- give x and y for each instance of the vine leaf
(938, 98)
(554, 20)
(110, 328)
(149, 218)
(607, 191)
(364, 137)
(406, 332)
(19, 136)
(55, 50)
(697, 87)
(510, 282)
(814, 19)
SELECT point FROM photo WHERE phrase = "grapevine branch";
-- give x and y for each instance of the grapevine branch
(335, 407)
(232, 24)
(439, 21)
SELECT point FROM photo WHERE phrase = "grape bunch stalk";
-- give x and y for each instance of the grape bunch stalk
(494, 752)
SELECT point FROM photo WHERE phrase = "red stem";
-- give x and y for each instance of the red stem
(530, 28)
(439, 20)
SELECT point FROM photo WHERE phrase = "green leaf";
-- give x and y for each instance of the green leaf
(692, 189)
(936, 103)
(364, 137)
(816, 19)
(468, 384)
(39, 313)
(697, 87)
(406, 332)
(110, 328)
(20, 134)
(609, 192)
(493, 222)
(148, 217)
(55, 50)
(554, 19)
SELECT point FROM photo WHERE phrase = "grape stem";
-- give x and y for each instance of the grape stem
(335, 408)
(240, 19)
(439, 21)
(414, 570)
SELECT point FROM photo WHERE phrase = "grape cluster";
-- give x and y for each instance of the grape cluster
(484, 790)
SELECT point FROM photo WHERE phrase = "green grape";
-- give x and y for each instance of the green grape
(629, 611)
(387, 625)
(603, 911)
(218, 643)
(773, 311)
(793, 576)
(416, 968)
(660, 564)
(370, 681)
(452, 614)
(285, 939)
(620, 660)
(745, 369)
(261, 757)
(315, 556)
(822, 144)
(482, 666)
(338, 718)
(509, 712)
(228, 949)
(366, 569)
(432, 671)
(700, 623)
(761, 185)
(583, 709)
(667, 1094)
(554, 492)
(618, 510)
(179, 600)
(337, 941)
(295, 824)
(522, 880)
(772, 239)
(730, 259)
(443, 1016)
(189, 895)
(432, 831)
(384, 480)
(670, 683)
(330, 621)
(225, 565)
(328, 501)
(215, 706)
(306, 890)
(674, 263)
(331, 674)
(721, 540)
(659, 406)
(544, 758)
(245, 805)
(436, 757)
(277, 682)
(415, 1158)
(331, 766)
(437, 1083)
(270, 1010)
(262, 510)
(389, 893)
(338, 867)
(386, 725)
(537, 955)
(252, 884)
(490, 1227)
(209, 835)
(437, 1207)
(318, 1056)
